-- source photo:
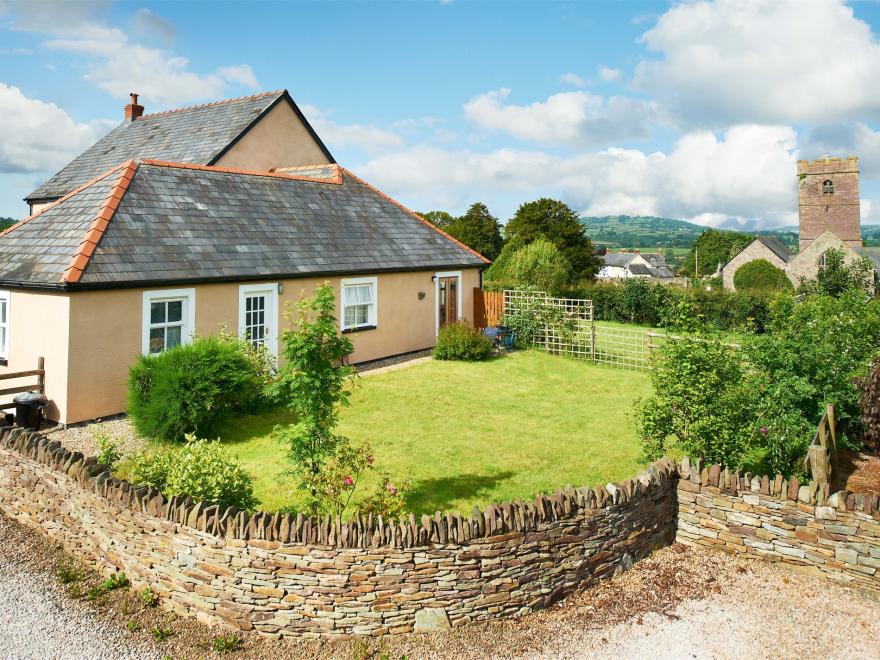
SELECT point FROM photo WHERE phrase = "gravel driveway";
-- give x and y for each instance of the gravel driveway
(679, 603)
(38, 620)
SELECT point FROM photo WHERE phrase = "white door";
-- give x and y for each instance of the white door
(258, 315)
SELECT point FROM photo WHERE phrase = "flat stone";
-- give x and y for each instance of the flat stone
(429, 619)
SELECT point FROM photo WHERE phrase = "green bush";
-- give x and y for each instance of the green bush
(194, 387)
(460, 341)
(202, 470)
(761, 275)
(539, 264)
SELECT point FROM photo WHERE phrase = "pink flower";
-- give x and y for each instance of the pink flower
(348, 481)
(391, 489)
(763, 430)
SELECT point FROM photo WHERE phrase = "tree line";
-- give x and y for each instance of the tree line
(544, 244)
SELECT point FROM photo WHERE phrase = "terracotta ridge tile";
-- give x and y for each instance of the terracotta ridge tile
(62, 199)
(416, 215)
(86, 249)
(231, 170)
(212, 104)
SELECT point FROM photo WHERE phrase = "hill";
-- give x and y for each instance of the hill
(7, 222)
(625, 231)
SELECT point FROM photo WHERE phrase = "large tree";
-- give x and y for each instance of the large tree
(479, 230)
(559, 224)
(440, 219)
(714, 247)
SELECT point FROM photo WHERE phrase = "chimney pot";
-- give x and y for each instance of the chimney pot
(133, 110)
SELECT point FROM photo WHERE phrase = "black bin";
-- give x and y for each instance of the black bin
(29, 408)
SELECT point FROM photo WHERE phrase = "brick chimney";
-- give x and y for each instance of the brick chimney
(133, 110)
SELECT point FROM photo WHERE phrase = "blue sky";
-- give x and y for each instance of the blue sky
(696, 110)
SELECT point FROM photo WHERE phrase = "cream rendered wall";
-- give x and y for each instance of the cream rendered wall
(280, 139)
(106, 327)
(39, 327)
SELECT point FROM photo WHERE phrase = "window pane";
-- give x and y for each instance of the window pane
(349, 317)
(175, 311)
(157, 340)
(3, 312)
(3, 346)
(362, 316)
(157, 312)
(173, 335)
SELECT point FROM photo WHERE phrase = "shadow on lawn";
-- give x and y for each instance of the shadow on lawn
(242, 429)
(430, 495)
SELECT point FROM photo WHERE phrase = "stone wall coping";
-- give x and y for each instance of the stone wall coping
(696, 476)
(273, 529)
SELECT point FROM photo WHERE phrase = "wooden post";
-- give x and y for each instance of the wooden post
(832, 427)
(41, 377)
(593, 341)
(650, 348)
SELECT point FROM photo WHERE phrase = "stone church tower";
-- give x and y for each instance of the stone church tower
(828, 198)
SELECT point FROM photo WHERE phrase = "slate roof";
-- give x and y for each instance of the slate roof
(776, 247)
(657, 267)
(180, 223)
(199, 134)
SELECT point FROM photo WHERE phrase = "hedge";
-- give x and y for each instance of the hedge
(637, 301)
(761, 275)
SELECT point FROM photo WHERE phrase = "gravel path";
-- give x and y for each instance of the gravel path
(38, 620)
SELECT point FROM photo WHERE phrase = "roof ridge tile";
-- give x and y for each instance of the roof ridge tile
(86, 249)
(212, 104)
(58, 201)
(233, 170)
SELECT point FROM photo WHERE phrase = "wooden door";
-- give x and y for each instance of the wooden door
(448, 300)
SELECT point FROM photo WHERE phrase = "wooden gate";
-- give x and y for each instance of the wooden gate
(488, 308)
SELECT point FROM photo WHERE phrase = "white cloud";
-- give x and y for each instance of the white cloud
(40, 136)
(369, 139)
(608, 74)
(746, 175)
(566, 119)
(764, 61)
(118, 65)
(573, 79)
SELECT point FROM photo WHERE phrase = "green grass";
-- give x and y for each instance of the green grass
(474, 433)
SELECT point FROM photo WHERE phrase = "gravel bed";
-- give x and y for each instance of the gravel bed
(84, 437)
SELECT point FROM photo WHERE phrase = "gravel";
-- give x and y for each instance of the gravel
(84, 437)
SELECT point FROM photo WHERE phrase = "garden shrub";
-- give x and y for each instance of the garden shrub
(761, 275)
(539, 264)
(202, 470)
(758, 408)
(192, 388)
(461, 341)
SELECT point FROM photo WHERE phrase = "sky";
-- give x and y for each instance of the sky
(694, 110)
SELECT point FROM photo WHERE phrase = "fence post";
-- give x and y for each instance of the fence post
(650, 348)
(593, 340)
(41, 377)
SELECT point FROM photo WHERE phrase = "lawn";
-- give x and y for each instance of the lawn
(474, 433)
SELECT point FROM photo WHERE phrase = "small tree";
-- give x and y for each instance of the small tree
(479, 230)
(761, 275)
(539, 264)
(312, 381)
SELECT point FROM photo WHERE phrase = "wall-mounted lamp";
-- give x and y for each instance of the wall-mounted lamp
(280, 288)
(421, 295)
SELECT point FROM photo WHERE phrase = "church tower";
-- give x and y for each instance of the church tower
(828, 198)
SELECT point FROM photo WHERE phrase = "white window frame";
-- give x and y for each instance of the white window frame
(372, 311)
(6, 296)
(188, 314)
(437, 276)
(271, 291)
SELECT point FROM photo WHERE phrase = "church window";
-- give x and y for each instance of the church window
(828, 187)
(821, 261)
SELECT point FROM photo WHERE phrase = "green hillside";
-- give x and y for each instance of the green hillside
(6, 222)
(624, 231)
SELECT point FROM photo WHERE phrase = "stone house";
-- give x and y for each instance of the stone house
(213, 217)
(828, 217)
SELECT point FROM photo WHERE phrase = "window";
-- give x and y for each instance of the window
(828, 187)
(168, 319)
(821, 260)
(359, 303)
(4, 325)
(258, 315)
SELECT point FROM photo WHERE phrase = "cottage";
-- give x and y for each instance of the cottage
(207, 218)
(624, 265)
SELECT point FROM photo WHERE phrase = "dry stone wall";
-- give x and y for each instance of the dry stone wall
(291, 575)
(835, 535)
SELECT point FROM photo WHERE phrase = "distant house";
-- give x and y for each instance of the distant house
(625, 265)
(828, 213)
(191, 221)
